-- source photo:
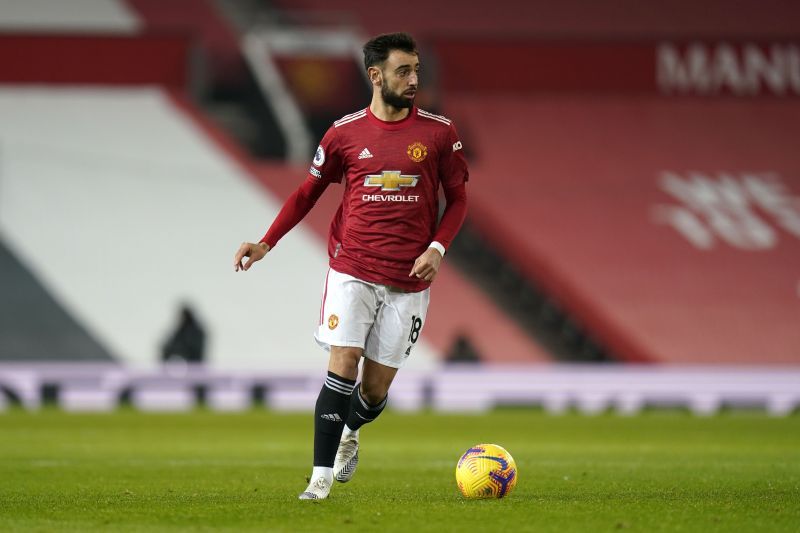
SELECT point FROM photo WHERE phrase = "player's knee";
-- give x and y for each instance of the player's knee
(344, 361)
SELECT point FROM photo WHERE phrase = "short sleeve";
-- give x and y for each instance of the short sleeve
(453, 169)
(327, 163)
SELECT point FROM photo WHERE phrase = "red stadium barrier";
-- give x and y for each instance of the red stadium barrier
(669, 67)
(95, 59)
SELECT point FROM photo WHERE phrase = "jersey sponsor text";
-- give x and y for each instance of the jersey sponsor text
(390, 198)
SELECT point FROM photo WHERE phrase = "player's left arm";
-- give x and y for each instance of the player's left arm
(427, 265)
(454, 172)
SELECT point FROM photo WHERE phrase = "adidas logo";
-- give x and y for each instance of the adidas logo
(365, 154)
(332, 417)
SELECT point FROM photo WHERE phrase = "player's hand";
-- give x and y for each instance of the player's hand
(254, 252)
(427, 265)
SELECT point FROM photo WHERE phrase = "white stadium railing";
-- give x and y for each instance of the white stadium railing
(587, 389)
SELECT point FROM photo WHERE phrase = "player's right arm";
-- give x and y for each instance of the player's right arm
(252, 251)
(326, 168)
(293, 211)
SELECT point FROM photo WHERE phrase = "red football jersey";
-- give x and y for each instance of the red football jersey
(390, 207)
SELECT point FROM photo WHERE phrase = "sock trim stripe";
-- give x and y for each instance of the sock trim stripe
(341, 381)
(333, 381)
(338, 388)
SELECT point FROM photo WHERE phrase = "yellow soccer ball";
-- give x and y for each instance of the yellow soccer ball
(486, 471)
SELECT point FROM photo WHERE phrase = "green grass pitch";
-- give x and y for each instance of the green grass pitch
(202, 471)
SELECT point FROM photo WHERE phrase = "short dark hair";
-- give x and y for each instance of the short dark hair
(378, 48)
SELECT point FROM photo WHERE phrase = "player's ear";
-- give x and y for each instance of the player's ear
(375, 77)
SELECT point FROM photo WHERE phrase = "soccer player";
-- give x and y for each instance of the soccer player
(385, 246)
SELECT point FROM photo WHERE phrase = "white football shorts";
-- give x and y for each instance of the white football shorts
(384, 321)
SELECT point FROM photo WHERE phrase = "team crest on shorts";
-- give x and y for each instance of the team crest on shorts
(417, 152)
(333, 321)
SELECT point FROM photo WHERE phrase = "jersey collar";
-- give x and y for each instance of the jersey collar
(393, 125)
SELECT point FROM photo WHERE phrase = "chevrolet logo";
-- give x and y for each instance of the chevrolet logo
(390, 180)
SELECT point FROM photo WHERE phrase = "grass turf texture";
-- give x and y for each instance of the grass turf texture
(142, 472)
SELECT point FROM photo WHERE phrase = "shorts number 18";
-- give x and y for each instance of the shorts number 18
(416, 325)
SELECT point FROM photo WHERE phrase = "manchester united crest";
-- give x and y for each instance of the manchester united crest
(333, 321)
(417, 152)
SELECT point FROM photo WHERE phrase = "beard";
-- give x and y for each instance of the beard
(398, 101)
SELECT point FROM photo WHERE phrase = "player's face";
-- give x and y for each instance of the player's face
(400, 79)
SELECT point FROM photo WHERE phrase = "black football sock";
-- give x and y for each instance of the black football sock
(361, 412)
(329, 416)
